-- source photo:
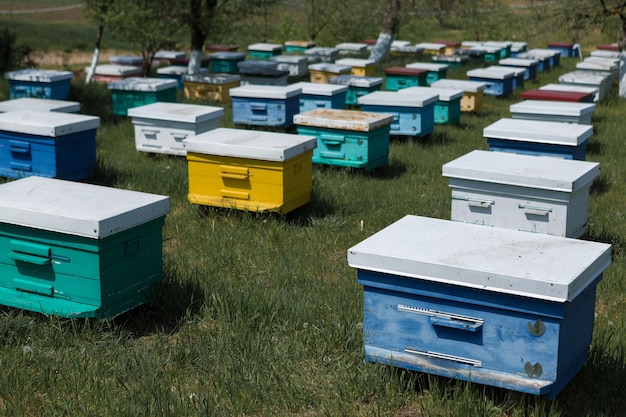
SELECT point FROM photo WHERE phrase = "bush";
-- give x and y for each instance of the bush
(12, 56)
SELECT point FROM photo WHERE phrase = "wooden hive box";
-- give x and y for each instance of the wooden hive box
(492, 306)
(297, 65)
(497, 83)
(521, 192)
(264, 50)
(47, 144)
(435, 71)
(39, 83)
(448, 104)
(566, 48)
(39, 104)
(215, 87)
(226, 62)
(589, 93)
(397, 78)
(553, 54)
(588, 79)
(559, 95)
(66, 250)
(177, 72)
(452, 61)
(518, 74)
(543, 60)
(317, 53)
(357, 49)
(321, 96)
(262, 72)
(163, 127)
(349, 138)
(432, 48)
(357, 86)
(530, 65)
(265, 105)
(250, 169)
(553, 111)
(413, 109)
(108, 73)
(323, 72)
(136, 91)
(360, 67)
(298, 46)
(473, 92)
(539, 137)
(503, 46)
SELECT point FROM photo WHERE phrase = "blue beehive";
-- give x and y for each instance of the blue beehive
(518, 74)
(497, 83)
(435, 71)
(543, 60)
(492, 306)
(226, 62)
(566, 48)
(413, 109)
(349, 138)
(539, 138)
(357, 86)
(448, 105)
(39, 83)
(318, 95)
(265, 105)
(47, 144)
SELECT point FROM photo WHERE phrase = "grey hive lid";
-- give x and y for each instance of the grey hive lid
(465, 85)
(357, 81)
(428, 66)
(116, 70)
(328, 67)
(400, 98)
(46, 123)
(38, 75)
(265, 91)
(320, 89)
(444, 94)
(556, 174)
(556, 133)
(75, 208)
(177, 112)
(518, 62)
(210, 78)
(253, 144)
(41, 104)
(490, 74)
(494, 259)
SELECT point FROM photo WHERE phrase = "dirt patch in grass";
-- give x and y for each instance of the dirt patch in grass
(46, 59)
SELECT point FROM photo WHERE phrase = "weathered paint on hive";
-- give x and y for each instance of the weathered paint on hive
(343, 119)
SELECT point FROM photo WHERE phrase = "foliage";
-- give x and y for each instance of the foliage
(12, 55)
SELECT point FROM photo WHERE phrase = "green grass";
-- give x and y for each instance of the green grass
(259, 314)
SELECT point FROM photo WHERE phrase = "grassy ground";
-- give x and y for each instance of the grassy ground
(260, 315)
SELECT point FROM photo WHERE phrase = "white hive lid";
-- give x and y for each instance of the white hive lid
(490, 74)
(539, 131)
(212, 78)
(494, 259)
(289, 59)
(355, 62)
(177, 112)
(343, 119)
(428, 66)
(445, 94)
(265, 91)
(568, 87)
(143, 84)
(116, 70)
(46, 123)
(265, 47)
(170, 55)
(40, 104)
(75, 208)
(38, 75)
(465, 85)
(517, 71)
(556, 174)
(414, 98)
(357, 81)
(583, 77)
(320, 89)
(328, 67)
(518, 62)
(560, 108)
(253, 144)
(178, 70)
(431, 45)
(352, 46)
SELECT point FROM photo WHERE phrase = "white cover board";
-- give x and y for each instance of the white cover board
(253, 144)
(177, 112)
(444, 94)
(143, 84)
(465, 85)
(38, 75)
(265, 91)
(557, 133)
(489, 258)
(320, 89)
(40, 104)
(343, 119)
(46, 123)
(75, 208)
(400, 98)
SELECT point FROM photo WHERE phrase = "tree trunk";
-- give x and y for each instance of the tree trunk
(96, 55)
(622, 61)
(195, 62)
(198, 36)
(390, 27)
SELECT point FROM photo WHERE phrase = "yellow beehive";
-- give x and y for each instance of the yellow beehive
(215, 87)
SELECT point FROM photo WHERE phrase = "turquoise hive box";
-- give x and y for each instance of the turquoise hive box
(435, 71)
(47, 144)
(66, 249)
(397, 78)
(135, 91)
(226, 62)
(357, 86)
(39, 83)
(349, 138)
(413, 109)
(492, 306)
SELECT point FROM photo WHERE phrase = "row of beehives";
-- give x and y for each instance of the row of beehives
(500, 307)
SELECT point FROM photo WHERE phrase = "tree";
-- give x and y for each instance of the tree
(12, 56)
(97, 11)
(152, 25)
(391, 24)
(609, 16)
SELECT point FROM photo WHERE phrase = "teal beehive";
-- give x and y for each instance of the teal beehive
(78, 250)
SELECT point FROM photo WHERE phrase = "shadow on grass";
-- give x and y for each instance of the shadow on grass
(599, 186)
(105, 175)
(594, 234)
(594, 147)
(95, 100)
